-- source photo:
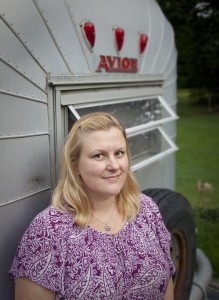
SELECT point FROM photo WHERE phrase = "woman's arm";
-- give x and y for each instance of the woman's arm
(25, 289)
(169, 295)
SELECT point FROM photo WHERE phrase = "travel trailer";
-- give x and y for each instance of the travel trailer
(60, 59)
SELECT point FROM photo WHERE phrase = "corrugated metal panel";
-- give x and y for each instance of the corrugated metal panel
(14, 51)
(25, 167)
(170, 90)
(60, 23)
(13, 82)
(170, 129)
(26, 21)
(21, 117)
(160, 54)
(55, 41)
(155, 32)
(166, 50)
(130, 15)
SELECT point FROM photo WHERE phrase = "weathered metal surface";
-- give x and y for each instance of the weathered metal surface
(25, 168)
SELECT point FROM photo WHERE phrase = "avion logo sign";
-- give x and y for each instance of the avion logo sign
(117, 64)
(114, 64)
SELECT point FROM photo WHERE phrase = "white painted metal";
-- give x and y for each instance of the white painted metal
(32, 169)
(25, 114)
(157, 157)
(74, 112)
(107, 95)
(43, 59)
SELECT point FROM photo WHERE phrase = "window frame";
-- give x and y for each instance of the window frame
(81, 91)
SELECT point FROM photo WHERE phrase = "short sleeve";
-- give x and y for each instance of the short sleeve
(163, 235)
(41, 253)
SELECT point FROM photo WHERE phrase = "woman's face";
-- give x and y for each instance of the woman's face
(103, 164)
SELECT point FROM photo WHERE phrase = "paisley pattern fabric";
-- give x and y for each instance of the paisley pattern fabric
(82, 263)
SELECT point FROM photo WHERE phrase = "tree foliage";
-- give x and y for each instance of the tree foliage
(196, 26)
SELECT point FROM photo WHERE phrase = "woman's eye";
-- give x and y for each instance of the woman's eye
(120, 153)
(98, 156)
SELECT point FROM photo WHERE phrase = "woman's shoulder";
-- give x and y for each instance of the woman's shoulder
(148, 211)
(147, 203)
(41, 253)
(52, 212)
(53, 215)
(52, 222)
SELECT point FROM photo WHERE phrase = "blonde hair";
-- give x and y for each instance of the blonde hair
(70, 193)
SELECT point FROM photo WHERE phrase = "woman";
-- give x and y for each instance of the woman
(101, 238)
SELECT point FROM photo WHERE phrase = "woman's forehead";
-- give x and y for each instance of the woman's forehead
(103, 137)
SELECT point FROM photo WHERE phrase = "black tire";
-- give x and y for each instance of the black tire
(178, 218)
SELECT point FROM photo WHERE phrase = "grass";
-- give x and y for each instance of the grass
(198, 161)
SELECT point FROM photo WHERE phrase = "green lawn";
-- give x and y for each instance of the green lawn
(198, 161)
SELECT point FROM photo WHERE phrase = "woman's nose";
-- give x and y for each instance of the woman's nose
(112, 163)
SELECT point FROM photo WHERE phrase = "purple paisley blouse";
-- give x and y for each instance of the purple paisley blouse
(79, 263)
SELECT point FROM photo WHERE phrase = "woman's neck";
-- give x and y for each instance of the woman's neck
(103, 206)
